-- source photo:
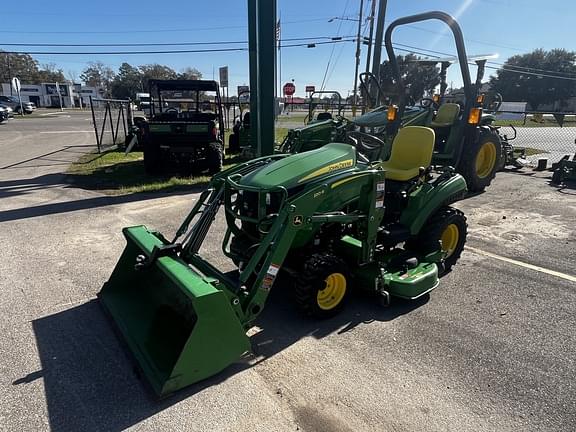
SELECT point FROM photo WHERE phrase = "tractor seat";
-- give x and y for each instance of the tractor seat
(446, 115)
(324, 116)
(412, 149)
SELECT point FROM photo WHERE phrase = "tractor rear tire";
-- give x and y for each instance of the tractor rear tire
(480, 161)
(152, 158)
(323, 286)
(447, 228)
(214, 157)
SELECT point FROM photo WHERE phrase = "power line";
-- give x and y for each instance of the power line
(169, 30)
(503, 66)
(157, 43)
(210, 50)
(333, 47)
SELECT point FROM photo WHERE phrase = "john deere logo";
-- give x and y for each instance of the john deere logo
(298, 220)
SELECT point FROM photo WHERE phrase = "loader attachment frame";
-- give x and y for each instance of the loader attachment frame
(182, 318)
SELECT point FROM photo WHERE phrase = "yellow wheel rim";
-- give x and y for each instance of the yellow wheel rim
(333, 293)
(486, 159)
(450, 238)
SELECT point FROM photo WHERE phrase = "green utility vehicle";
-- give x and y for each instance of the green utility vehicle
(185, 130)
(327, 221)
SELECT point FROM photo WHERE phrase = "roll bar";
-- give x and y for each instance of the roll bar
(460, 48)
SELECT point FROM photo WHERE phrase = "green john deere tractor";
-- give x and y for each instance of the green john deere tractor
(331, 106)
(329, 221)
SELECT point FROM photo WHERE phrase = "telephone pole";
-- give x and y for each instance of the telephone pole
(370, 35)
(358, 41)
(376, 59)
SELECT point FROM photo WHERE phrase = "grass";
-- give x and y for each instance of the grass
(546, 121)
(530, 151)
(116, 173)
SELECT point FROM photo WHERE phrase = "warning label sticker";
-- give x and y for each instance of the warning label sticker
(271, 274)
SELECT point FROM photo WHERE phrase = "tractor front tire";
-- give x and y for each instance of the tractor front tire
(446, 229)
(323, 286)
(214, 157)
(480, 161)
(152, 158)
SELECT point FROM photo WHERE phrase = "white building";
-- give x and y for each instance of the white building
(45, 94)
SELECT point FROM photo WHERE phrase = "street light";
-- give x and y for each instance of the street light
(343, 19)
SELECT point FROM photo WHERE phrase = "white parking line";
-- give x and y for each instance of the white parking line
(52, 113)
(523, 264)
(67, 131)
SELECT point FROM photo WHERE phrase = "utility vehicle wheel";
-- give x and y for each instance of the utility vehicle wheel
(323, 286)
(557, 177)
(234, 143)
(480, 161)
(447, 228)
(152, 158)
(214, 157)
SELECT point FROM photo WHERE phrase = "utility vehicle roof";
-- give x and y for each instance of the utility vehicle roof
(202, 85)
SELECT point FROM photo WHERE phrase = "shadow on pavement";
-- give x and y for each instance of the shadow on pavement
(77, 205)
(91, 383)
(65, 151)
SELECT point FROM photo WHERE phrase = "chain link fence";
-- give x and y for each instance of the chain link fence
(544, 135)
(112, 119)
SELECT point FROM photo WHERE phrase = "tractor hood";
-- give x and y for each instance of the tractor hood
(379, 116)
(302, 167)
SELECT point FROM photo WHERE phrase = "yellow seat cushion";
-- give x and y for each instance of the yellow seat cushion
(446, 115)
(412, 148)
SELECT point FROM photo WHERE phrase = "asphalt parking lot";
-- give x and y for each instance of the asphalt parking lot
(492, 349)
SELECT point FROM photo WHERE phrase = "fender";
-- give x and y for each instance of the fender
(430, 197)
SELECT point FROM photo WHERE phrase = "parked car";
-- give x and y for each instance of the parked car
(14, 103)
(3, 114)
(9, 111)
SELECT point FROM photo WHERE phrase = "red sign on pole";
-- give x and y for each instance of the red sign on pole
(310, 89)
(289, 89)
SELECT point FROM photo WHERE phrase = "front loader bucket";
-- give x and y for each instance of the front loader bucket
(180, 327)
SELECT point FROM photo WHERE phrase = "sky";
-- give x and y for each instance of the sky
(505, 27)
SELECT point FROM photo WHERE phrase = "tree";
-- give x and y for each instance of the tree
(419, 78)
(97, 74)
(23, 66)
(127, 82)
(519, 78)
(190, 73)
(49, 74)
(157, 71)
(72, 76)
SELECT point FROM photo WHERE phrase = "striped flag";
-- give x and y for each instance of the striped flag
(278, 34)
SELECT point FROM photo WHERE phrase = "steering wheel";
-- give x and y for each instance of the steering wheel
(495, 102)
(365, 143)
(171, 109)
(428, 102)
